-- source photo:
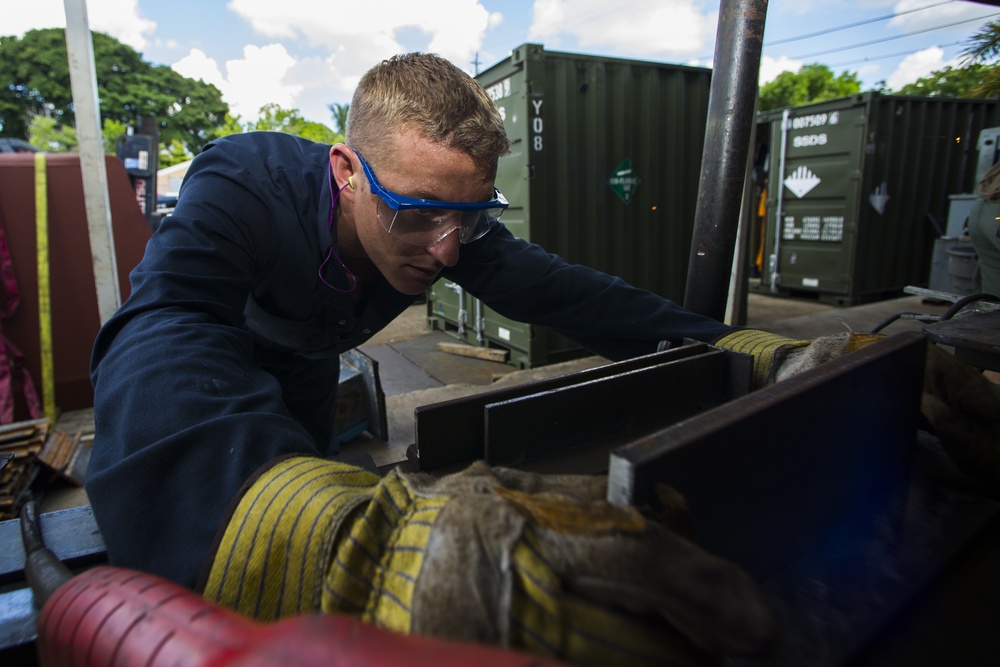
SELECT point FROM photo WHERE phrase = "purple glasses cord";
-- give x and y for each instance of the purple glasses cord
(331, 252)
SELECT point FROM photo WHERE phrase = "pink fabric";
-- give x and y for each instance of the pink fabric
(12, 359)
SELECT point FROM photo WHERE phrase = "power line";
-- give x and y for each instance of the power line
(889, 39)
(889, 55)
(854, 25)
(847, 26)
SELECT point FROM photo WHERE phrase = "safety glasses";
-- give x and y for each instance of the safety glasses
(426, 222)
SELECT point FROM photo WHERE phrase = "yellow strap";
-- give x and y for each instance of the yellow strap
(374, 573)
(762, 346)
(277, 545)
(44, 288)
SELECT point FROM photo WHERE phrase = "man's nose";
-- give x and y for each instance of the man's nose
(446, 250)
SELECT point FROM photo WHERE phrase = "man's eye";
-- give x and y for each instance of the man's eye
(432, 214)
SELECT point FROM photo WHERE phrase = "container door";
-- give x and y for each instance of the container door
(816, 168)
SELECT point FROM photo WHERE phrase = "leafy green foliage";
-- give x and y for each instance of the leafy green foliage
(36, 70)
(44, 133)
(984, 45)
(274, 118)
(976, 78)
(339, 113)
(812, 83)
(948, 82)
(983, 48)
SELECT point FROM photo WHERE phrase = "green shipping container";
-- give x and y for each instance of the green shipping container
(603, 171)
(859, 190)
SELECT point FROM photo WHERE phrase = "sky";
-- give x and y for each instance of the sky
(308, 54)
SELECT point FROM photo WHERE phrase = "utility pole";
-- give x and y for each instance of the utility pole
(83, 81)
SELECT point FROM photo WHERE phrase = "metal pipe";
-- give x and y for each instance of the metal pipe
(779, 213)
(723, 172)
(43, 570)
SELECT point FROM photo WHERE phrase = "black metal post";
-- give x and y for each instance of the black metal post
(723, 165)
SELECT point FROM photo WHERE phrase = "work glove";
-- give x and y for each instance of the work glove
(533, 562)
(958, 404)
(962, 408)
(769, 351)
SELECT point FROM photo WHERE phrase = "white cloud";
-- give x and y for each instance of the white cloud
(635, 27)
(934, 17)
(312, 52)
(915, 66)
(770, 67)
(119, 18)
(260, 77)
(198, 66)
(452, 28)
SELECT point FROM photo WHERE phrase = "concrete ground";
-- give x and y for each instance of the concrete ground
(414, 372)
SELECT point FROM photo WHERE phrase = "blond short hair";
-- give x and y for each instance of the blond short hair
(427, 94)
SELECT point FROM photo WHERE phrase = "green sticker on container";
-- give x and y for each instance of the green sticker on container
(623, 181)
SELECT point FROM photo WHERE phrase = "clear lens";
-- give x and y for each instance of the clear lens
(427, 227)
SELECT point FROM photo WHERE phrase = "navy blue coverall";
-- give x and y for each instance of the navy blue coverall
(225, 355)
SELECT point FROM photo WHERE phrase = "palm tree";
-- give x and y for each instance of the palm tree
(983, 47)
(339, 112)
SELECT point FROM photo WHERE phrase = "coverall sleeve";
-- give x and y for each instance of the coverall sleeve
(603, 313)
(182, 414)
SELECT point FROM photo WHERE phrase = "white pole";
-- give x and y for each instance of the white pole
(83, 79)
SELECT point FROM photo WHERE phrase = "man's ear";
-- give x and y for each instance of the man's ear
(346, 170)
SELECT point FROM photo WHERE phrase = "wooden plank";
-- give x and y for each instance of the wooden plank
(486, 353)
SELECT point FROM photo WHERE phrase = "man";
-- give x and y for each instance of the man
(283, 253)
(223, 363)
(984, 230)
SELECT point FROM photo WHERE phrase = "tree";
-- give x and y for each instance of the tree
(812, 83)
(274, 118)
(947, 82)
(983, 48)
(339, 112)
(44, 133)
(36, 71)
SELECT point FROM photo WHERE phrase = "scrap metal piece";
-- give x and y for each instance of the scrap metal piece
(360, 398)
(766, 474)
(975, 338)
(638, 400)
(72, 535)
(454, 432)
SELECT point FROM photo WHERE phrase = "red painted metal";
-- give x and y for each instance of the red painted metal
(113, 616)
(75, 316)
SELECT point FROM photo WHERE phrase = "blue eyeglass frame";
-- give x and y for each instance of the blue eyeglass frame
(398, 202)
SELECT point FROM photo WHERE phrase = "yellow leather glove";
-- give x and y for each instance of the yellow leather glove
(962, 408)
(497, 556)
(767, 349)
